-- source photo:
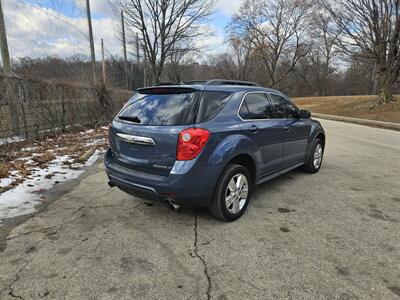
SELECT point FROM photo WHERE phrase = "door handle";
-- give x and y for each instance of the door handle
(253, 128)
(287, 129)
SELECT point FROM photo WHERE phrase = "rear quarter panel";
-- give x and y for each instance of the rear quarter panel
(226, 141)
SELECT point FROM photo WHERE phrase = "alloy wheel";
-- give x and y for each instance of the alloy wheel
(317, 156)
(236, 193)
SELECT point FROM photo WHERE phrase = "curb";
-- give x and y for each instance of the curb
(373, 123)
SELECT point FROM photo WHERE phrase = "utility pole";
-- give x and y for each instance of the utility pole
(137, 50)
(144, 67)
(5, 55)
(124, 47)
(7, 70)
(103, 62)
(137, 56)
(132, 71)
(93, 56)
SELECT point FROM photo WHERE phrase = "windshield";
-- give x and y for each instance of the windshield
(158, 109)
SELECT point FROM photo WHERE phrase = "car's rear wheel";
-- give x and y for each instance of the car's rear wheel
(232, 193)
(314, 161)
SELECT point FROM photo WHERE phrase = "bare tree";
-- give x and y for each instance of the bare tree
(164, 26)
(325, 36)
(276, 29)
(371, 30)
(241, 55)
(236, 64)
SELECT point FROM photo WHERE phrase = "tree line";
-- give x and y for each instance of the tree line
(310, 47)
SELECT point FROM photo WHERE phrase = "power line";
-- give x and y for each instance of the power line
(59, 17)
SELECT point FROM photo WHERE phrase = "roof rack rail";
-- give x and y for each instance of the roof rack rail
(210, 82)
(230, 82)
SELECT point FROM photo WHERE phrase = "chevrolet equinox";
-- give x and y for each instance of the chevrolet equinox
(209, 143)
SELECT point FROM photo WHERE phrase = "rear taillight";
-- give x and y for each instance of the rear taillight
(190, 143)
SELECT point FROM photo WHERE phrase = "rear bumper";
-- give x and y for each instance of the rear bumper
(185, 189)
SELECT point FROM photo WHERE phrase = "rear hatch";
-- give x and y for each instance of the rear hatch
(144, 134)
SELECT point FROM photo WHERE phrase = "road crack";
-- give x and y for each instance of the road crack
(201, 258)
(10, 287)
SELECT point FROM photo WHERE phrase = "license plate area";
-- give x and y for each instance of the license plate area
(136, 151)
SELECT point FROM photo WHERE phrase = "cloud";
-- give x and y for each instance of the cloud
(101, 7)
(228, 7)
(61, 30)
(37, 31)
(212, 45)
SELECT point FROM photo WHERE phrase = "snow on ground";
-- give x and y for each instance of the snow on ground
(23, 199)
(91, 160)
(6, 181)
(95, 142)
(28, 168)
(12, 139)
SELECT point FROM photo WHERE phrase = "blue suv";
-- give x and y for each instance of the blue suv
(208, 143)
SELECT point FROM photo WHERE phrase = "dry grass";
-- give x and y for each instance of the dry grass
(352, 106)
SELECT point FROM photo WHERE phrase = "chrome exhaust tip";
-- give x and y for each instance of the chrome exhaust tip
(173, 204)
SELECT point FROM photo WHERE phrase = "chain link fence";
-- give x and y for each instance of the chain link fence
(32, 108)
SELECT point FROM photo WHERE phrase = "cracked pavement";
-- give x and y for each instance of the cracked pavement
(334, 235)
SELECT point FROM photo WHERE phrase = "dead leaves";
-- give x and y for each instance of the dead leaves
(18, 160)
(5, 169)
(44, 158)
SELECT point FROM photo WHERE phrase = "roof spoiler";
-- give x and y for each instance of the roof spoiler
(165, 90)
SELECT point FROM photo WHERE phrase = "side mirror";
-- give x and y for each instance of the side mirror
(305, 114)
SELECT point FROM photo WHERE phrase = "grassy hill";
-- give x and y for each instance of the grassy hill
(352, 106)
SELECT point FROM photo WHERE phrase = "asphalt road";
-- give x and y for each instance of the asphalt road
(333, 235)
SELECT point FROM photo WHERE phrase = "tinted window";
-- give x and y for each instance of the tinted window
(283, 108)
(256, 106)
(214, 101)
(159, 109)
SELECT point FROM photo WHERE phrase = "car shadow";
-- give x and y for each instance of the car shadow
(276, 185)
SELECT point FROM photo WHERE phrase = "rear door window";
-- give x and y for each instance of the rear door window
(159, 109)
(256, 106)
(283, 108)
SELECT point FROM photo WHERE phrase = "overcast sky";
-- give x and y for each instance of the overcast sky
(38, 28)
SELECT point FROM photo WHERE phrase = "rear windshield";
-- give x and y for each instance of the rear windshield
(158, 109)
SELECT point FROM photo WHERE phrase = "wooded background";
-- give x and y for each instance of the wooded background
(303, 48)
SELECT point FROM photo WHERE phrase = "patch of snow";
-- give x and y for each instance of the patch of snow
(87, 131)
(6, 181)
(23, 199)
(95, 142)
(29, 148)
(91, 160)
(30, 162)
(12, 139)
(23, 158)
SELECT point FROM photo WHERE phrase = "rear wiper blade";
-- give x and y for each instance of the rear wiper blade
(134, 119)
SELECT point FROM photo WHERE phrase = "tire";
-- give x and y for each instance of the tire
(227, 186)
(314, 161)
